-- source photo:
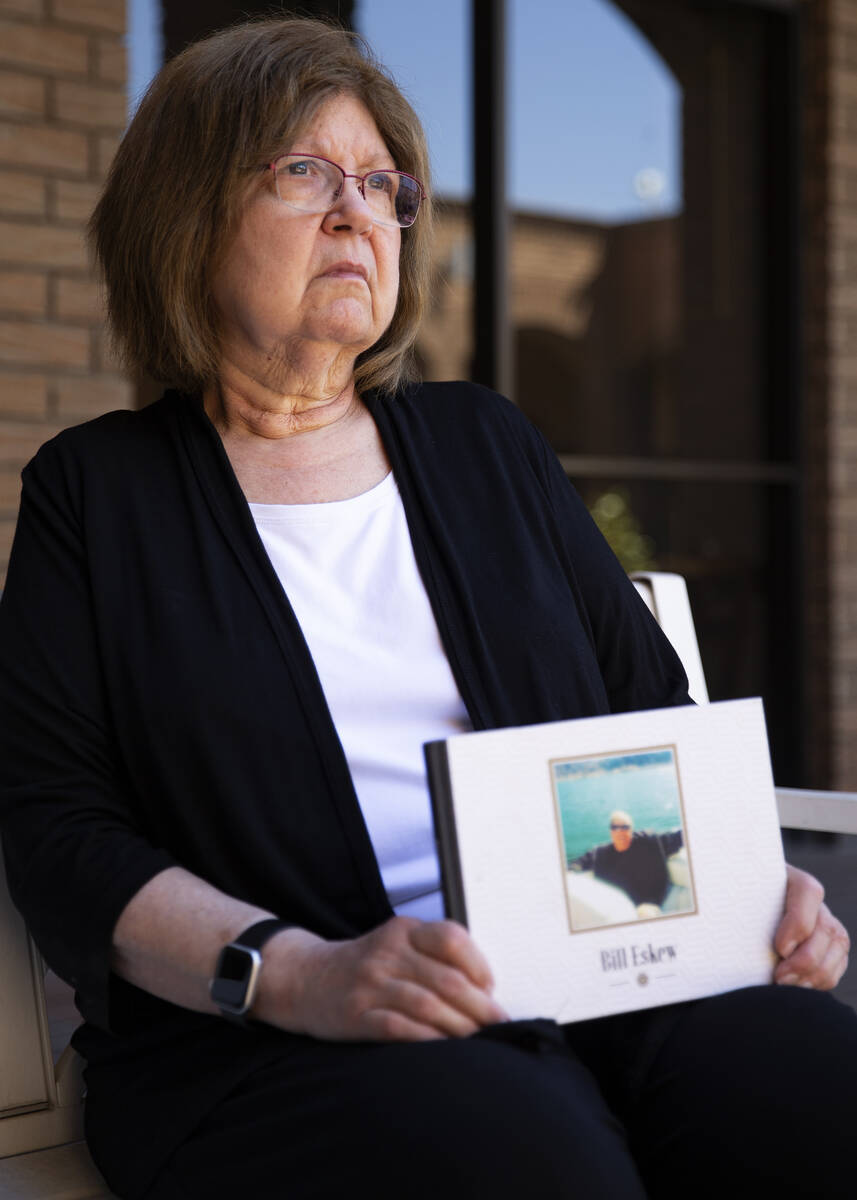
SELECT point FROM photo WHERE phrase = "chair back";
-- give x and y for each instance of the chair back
(667, 599)
(25, 1051)
(41, 1104)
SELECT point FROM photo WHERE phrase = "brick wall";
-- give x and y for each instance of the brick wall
(62, 110)
(842, 401)
(830, 427)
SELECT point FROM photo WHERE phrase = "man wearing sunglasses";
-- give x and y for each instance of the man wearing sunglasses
(634, 862)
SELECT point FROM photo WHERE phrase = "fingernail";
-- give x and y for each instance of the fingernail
(788, 979)
(805, 983)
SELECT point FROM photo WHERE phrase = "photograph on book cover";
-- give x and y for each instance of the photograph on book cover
(622, 835)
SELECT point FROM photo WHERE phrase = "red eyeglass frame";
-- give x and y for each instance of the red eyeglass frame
(272, 167)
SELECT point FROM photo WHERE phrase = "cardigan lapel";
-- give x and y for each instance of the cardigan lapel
(231, 513)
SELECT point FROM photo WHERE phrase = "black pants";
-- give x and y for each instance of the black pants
(745, 1094)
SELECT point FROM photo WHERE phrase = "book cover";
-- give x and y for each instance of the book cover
(613, 863)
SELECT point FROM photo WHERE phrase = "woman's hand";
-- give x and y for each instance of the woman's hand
(813, 945)
(407, 980)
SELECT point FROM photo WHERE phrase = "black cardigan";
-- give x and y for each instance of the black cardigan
(158, 703)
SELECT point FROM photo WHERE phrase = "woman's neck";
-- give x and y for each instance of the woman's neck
(277, 404)
(290, 448)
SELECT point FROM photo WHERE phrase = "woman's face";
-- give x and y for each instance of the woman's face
(294, 282)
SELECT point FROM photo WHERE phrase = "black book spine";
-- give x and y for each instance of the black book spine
(443, 812)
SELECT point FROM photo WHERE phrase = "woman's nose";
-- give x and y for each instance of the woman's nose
(350, 210)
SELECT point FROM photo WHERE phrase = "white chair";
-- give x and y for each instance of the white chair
(42, 1153)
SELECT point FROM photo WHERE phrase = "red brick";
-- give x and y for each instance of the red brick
(24, 293)
(106, 147)
(23, 8)
(7, 529)
(843, 152)
(22, 95)
(843, 298)
(23, 395)
(42, 245)
(62, 150)
(44, 47)
(110, 60)
(843, 13)
(20, 440)
(100, 14)
(843, 52)
(105, 359)
(10, 489)
(841, 78)
(80, 301)
(22, 195)
(75, 199)
(89, 397)
(26, 343)
(87, 104)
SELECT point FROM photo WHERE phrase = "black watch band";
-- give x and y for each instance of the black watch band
(256, 935)
(239, 965)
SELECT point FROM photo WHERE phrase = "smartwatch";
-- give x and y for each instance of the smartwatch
(239, 965)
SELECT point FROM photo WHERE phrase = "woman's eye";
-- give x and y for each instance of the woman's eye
(297, 169)
(383, 182)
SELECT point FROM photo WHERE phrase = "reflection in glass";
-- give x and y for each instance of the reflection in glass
(429, 55)
(596, 182)
(648, 303)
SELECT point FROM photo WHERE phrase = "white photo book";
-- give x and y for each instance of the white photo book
(613, 863)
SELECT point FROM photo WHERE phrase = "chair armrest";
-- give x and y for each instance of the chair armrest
(827, 812)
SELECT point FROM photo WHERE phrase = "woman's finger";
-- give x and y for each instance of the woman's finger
(383, 986)
(457, 991)
(833, 966)
(388, 1025)
(822, 974)
(802, 965)
(415, 970)
(804, 896)
(450, 943)
(834, 962)
(821, 960)
(426, 1007)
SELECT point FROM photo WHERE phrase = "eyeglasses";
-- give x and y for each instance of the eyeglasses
(620, 827)
(313, 184)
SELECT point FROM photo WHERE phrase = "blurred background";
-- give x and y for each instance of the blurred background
(647, 238)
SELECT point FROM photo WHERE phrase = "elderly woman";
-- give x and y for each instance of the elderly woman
(232, 619)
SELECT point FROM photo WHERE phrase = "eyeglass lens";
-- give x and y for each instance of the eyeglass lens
(314, 185)
(620, 826)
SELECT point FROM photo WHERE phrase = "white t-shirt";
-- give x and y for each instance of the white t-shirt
(348, 569)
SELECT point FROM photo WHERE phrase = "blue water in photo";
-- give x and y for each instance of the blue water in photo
(643, 784)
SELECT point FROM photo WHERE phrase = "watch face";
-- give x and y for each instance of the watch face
(234, 982)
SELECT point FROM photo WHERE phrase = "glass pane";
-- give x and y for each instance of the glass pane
(639, 181)
(430, 61)
(715, 535)
(599, 137)
(145, 42)
(650, 243)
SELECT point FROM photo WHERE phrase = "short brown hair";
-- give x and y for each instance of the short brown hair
(173, 196)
